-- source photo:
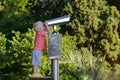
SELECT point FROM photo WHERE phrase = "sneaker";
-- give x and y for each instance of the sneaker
(36, 75)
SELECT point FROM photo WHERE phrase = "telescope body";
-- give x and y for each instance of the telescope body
(59, 21)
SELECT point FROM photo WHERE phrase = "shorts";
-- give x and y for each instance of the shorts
(36, 57)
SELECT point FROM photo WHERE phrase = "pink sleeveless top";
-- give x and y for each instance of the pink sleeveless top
(40, 40)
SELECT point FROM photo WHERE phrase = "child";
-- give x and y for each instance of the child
(41, 30)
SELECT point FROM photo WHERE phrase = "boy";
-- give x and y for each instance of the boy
(41, 30)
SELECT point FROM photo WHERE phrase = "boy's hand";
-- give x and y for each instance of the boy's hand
(46, 23)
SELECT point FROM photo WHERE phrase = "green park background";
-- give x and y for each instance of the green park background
(90, 41)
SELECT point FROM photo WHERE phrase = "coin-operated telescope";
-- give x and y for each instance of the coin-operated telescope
(54, 44)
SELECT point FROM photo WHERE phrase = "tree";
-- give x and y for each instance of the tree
(95, 24)
(115, 3)
(46, 9)
(20, 15)
(14, 16)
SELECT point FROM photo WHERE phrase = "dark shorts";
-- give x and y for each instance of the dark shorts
(36, 57)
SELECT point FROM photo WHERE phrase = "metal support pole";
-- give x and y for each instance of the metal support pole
(55, 69)
(54, 27)
(55, 64)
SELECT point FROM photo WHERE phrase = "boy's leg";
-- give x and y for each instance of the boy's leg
(36, 60)
(35, 69)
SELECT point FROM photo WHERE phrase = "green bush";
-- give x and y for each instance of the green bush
(14, 16)
(82, 65)
(95, 23)
(2, 53)
(16, 63)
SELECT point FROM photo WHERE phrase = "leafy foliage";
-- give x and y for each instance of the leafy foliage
(82, 65)
(46, 9)
(2, 51)
(95, 24)
(14, 16)
(16, 63)
(114, 3)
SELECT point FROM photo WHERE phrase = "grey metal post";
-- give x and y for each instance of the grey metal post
(55, 69)
(54, 27)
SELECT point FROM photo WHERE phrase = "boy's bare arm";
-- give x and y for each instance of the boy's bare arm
(46, 26)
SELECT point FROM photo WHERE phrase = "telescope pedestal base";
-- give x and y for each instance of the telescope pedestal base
(42, 78)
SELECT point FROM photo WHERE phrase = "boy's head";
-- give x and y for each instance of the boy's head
(38, 25)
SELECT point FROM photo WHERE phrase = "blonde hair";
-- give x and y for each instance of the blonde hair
(38, 25)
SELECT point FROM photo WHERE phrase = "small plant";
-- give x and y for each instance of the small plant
(82, 65)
